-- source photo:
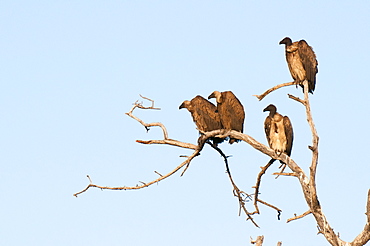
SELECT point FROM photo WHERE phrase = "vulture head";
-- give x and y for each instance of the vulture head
(271, 108)
(185, 104)
(286, 41)
(217, 95)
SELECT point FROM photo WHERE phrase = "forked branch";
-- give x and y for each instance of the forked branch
(257, 187)
(138, 104)
(241, 195)
(308, 184)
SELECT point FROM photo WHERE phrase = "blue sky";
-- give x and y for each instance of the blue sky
(70, 70)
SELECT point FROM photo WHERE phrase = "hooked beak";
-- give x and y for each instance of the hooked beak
(211, 96)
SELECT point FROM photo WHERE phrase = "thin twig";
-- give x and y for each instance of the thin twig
(152, 107)
(257, 186)
(271, 206)
(282, 169)
(147, 125)
(237, 192)
(299, 216)
(297, 99)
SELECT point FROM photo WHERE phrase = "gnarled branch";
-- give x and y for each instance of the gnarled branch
(147, 125)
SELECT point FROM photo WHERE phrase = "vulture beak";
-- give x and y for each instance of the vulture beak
(266, 109)
(211, 96)
(182, 106)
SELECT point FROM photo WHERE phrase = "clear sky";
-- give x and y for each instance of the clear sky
(69, 70)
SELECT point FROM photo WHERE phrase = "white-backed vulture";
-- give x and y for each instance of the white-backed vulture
(204, 115)
(301, 61)
(279, 131)
(231, 111)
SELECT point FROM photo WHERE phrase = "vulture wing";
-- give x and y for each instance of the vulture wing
(207, 118)
(309, 63)
(235, 110)
(267, 129)
(288, 134)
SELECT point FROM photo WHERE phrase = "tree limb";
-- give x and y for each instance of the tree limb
(169, 142)
(364, 236)
(260, 97)
(187, 161)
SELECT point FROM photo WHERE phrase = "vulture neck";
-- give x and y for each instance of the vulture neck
(218, 98)
(272, 113)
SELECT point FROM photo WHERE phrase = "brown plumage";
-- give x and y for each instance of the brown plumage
(301, 61)
(231, 111)
(279, 131)
(204, 115)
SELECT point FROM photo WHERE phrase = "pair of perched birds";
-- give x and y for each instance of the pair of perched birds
(229, 113)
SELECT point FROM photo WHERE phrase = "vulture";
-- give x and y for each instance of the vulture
(204, 115)
(279, 131)
(231, 111)
(301, 61)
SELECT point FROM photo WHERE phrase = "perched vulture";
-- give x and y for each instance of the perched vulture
(279, 131)
(231, 111)
(204, 115)
(301, 61)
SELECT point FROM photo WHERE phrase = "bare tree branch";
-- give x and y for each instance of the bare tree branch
(260, 97)
(364, 236)
(297, 99)
(258, 241)
(308, 183)
(236, 191)
(257, 187)
(188, 160)
(299, 216)
(147, 125)
(169, 142)
(285, 174)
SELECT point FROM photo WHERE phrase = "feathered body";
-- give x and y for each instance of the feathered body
(279, 131)
(204, 114)
(301, 61)
(231, 111)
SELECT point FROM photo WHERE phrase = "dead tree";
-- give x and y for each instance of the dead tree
(307, 182)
